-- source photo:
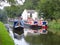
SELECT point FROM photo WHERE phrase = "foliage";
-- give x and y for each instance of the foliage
(50, 8)
(31, 4)
(28, 4)
(3, 16)
(14, 11)
(11, 1)
(54, 26)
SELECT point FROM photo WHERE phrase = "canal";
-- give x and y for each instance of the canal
(42, 39)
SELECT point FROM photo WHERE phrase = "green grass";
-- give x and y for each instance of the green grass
(5, 39)
(54, 27)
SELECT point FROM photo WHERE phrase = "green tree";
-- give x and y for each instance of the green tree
(31, 4)
(3, 16)
(50, 8)
(14, 11)
(28, 4)
(10, 1)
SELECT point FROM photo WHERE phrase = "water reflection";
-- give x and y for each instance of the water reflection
(21, 42)
(18, 39)
(49, 39)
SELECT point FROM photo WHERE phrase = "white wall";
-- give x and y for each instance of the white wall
(25, 15)
(35, 15)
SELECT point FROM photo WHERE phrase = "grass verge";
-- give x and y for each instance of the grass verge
(5, 39)
(54, 27)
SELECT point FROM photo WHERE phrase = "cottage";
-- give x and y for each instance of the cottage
(29, 13)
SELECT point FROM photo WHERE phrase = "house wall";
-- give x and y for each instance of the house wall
(35, 15)
(25, 15)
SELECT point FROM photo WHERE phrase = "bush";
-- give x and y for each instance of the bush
(54, 25)
(3, 16)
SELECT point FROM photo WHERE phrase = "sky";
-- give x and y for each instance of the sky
(3, 4)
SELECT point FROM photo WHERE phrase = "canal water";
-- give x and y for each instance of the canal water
(42, 39)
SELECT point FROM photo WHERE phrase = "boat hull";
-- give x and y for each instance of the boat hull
(18, 30)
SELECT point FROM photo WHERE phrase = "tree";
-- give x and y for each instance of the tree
(10, 1)
(14, 11)
(50, 8)
(3, 16)
(28, 4)
(31, 4)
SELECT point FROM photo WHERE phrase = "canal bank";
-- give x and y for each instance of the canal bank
(54, 27)
(5, 39)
